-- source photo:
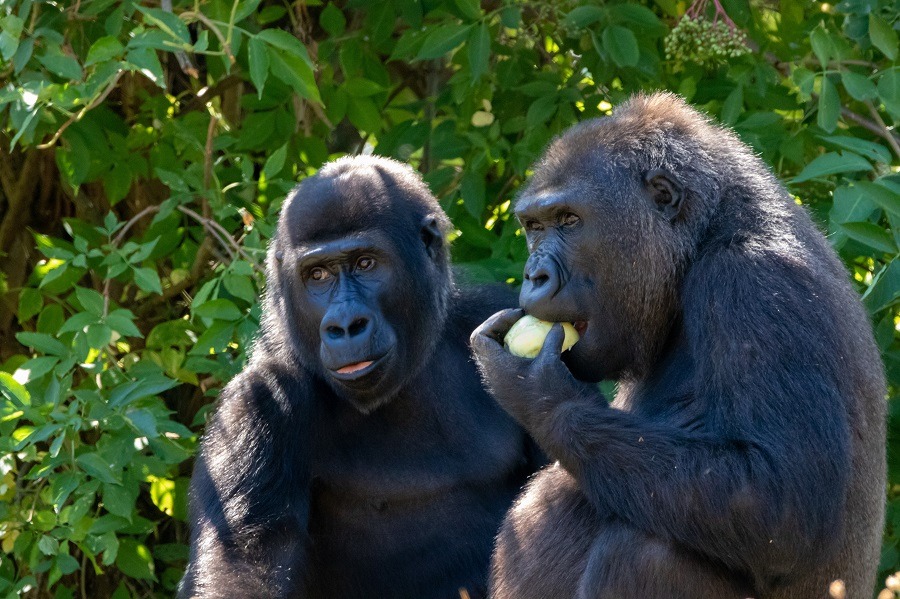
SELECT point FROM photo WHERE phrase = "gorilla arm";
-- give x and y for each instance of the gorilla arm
(740, 485)
(250, 493)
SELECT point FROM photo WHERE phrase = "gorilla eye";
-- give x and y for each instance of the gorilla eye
(365, 263)
(533, 225)
(319, 274)
(570, 219)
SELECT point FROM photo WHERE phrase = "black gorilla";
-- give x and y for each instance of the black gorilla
(744, 454)
(357, 455)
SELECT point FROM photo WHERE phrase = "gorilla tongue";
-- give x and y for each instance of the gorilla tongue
(349, 368)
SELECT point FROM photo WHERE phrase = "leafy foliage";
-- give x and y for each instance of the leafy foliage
(145, 149)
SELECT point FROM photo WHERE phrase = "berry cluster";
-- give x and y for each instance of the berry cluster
(706, 43)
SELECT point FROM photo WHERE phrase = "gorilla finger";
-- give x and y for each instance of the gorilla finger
(498, 325)
(553, 342)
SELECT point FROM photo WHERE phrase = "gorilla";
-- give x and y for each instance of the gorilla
(357, 454)
(744, 452)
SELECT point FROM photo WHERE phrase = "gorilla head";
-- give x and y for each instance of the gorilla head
(361, 276)
(609, 246)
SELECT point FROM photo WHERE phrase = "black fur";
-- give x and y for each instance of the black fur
(744, 453)
(311, 483)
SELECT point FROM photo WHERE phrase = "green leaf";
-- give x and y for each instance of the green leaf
(246, 8)
(135, 560)
(885, 198)
(365, 115)
(733, 106)
(582, 16)
(829, 106)
(472, 190)
(145, 61)
(30, 303)
(60, 64)
(10, 29)
(871, 235)
(850, 204)
(442, 40)
(644, 19)
(833, 163)
(147, 279)
(883, 36)
(122, 321)
(98, 335)
(358, 87)
(105, 48)
(295, 72)
(622, 45)
(240, 286)
(885, 288)
(274, 164)
(218, 309)
(62, 486)
(168, 23)
(120, 499)
(35, 368)
(541, 111)
(48, 545)
(859, 86)
(43, 343)
(90, 300)
(333, 20)
(822, 45)
(258, 57)
(869, 149)
(470, 9)
(146, 386)
(284, 41)
(479, 46)
(14, 391)
(97, 467)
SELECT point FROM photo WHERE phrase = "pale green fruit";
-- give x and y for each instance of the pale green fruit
(526, 337)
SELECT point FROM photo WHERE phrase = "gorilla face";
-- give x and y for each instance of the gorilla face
(364, 270)
(601, 257)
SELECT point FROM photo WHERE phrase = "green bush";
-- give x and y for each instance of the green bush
(145, 148)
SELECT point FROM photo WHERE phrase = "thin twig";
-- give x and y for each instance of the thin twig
(115, 243)
(80, 115)
(218, 230)
(189, 14)
(208, 163)
(184, 61)
(884, 131)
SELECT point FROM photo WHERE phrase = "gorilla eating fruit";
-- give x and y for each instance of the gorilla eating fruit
(357, 455)
(744, 454)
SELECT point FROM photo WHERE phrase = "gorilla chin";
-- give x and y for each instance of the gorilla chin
(368, 383)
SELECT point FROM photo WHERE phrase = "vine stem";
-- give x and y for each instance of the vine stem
(80, 114)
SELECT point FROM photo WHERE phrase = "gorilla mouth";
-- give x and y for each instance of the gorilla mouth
(357, 370)
(580, 327)
(351, 368)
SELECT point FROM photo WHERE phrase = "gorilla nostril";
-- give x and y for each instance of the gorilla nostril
(539, 279)
(358, 326)
(334, 332)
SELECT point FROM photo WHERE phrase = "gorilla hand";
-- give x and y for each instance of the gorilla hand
(527, 389)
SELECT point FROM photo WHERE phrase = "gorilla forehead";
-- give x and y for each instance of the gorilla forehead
(643, 133)
(358, 193)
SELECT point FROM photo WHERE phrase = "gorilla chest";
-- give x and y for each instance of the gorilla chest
(413, 455)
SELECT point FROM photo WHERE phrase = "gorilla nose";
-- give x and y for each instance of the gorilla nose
(336, 327)
(540, 285)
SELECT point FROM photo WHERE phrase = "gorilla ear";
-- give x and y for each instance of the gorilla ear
(432, 236)
(666, 192)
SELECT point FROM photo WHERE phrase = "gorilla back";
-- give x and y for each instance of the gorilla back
(744, 454)
(357, 455)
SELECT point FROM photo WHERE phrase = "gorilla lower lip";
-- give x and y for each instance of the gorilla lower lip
(351, 368)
